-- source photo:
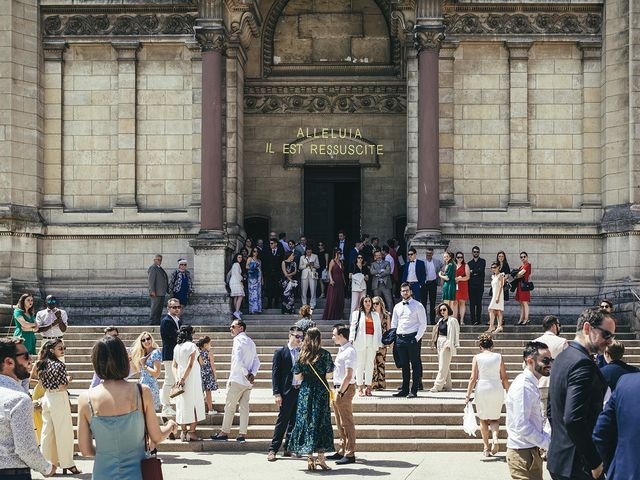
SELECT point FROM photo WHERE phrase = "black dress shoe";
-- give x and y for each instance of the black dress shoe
(346, 460)
(420, 386)
(412, 395)
(399, 389)
(335, 456)
(400, 394)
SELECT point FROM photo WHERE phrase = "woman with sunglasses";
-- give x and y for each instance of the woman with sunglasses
(57, 425)
(146, 358)
(379, 374)
(523, 297)
(255, 280)
(463, 274)
(445, 338)
(359, 276)
(235, 278)
(496, 307)
(366, 336)
(489, 379)
(503, 267)
(323, 261)
(447, 275)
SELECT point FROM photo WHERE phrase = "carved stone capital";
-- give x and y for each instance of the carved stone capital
(428, 38)
(126, 50)
(211, 40)
(54, 50)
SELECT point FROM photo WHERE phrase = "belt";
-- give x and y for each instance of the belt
(15, 471)
(523, 449)
(402, 335)
(52, 338)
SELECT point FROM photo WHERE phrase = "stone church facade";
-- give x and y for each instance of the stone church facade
(180, 127)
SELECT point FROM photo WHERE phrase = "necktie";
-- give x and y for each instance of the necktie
(273, 251)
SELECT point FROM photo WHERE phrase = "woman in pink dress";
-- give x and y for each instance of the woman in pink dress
(523, 297)
(334, 308)
(463, 274)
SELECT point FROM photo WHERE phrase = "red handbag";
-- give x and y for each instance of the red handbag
(151, 465)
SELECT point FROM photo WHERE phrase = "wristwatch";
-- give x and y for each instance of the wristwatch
(340, 393)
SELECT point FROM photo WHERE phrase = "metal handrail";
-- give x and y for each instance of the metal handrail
(635, 294)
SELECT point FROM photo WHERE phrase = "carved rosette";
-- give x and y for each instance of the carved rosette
(120, 25)
(428, 38)
(211, 40)
(325, 103)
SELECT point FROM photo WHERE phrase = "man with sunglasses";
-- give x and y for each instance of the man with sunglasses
(556, 344)
(169, 328)
(285, 391)
(576, 395)
(18, 451)
(525, 423)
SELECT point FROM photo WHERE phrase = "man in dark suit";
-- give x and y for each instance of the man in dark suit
(433, 265)
(414, 273)
(158, 287)
(615, 367)
(272, 270)
(169, 327)
(345, 247)
(477, 266)
(576, 393)
(617, 432)
(285, 391)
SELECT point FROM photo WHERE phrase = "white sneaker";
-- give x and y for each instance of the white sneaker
(238, 315)
(168, 412)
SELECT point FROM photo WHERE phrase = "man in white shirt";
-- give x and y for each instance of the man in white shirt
(410, 321)
(244, 368)
(52, 321)
(344, 383)
(556, 344)
(18, 451)
(525, 423)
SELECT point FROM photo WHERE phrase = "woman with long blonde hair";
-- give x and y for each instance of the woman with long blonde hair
(379, 373)
(313, 431)
(146, 358)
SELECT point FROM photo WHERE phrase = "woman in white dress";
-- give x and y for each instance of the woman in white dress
(365, 333)
(234, 279)
(186, 368)
(496, 307)
(489, 378)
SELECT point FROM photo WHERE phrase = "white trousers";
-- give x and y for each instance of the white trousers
(237, 395)
(57, 429)
(365, 362)
(444, 363)
(169, 381)
(355, 300)
(307, 283)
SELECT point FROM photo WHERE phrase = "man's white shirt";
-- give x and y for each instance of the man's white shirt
(244, 360)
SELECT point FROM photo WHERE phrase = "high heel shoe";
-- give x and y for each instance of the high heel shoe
(183, 436)
(72, 471)
(311, 464)
(498, 330)
(495, 447)
(323, 465)
(367, 392)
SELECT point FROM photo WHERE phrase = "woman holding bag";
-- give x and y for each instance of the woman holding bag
(366, 336)
(359, 276)
(445, 337)
(523, 296)
(115, 413)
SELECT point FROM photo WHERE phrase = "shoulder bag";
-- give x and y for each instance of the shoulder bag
(151, 465)
(526, 286)
(332, 394)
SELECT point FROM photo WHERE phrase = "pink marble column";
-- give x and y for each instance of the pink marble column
(211, 203)
(428, 45)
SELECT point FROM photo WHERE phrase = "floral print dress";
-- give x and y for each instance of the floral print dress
(149, 380)
(208, 378)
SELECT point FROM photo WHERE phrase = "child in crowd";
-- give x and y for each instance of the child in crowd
(207, 370)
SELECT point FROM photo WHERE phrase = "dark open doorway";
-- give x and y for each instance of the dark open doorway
(331, 202)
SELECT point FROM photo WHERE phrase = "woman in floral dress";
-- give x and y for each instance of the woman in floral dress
(181, 284)
(207, 370)
(313, 431)
(289, 284)
(146, 358)
(254, 281)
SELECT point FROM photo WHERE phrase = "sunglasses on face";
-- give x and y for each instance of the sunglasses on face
(61, 348)
(376, 303)
(359, 258)
(23, 354)
(546, 360)
(459, 258)
(476, 251)
(523, 256)
(444, 309)
(606, 334)
(148, 339)
(175, 306)
(297, 337)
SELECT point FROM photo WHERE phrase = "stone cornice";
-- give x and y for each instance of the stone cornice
(117, 25)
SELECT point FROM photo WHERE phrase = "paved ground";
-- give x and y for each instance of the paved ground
(391, 466)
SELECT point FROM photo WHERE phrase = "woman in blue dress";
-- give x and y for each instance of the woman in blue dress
(146, 358)
(114, 413)
(181, 285)
(313, 431)
(255, 281)
(207, 370)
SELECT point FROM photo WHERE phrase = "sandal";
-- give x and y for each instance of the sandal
(494, 448)
(367, 392)
(486, 452)
(183, 436)
(192, 437)
(72, 471)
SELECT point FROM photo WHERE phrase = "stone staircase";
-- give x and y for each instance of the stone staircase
(432, 422)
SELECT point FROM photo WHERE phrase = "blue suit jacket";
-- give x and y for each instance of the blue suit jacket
(421, 272)
(617, 431)
(169, 334)
(614, 370)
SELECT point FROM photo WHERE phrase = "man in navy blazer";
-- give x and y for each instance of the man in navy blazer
(615, 367)
(576, 393)
(285, 391)
(617, 432)
(414, 273)
(169, 327)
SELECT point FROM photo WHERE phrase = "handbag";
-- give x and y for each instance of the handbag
(469, 424)
(176, 391)
(314, 274)
(325, 275)
(526, 286)
(151, 465)
(389, 337)
(332, 394)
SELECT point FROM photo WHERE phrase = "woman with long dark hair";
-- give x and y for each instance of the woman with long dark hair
(234, 279)
(57, 425)
(462, 276)
(523, 297)
(447, 275)
(359, 276)
(288, 283)
(24, 316)
(334, 308)
(313, 432)
(503, 267)
(255, 280)
(366, 336)
(186, 369)
(445, 339)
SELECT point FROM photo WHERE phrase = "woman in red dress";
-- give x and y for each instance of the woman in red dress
(523, 297)
(334, 308)
(463, 274)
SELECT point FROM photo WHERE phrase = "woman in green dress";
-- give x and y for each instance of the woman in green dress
(313, 431)
(448, 276)
(25, 319)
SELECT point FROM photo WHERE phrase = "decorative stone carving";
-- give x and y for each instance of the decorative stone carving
(428, 38)
(523, 24)
(210, 40)
(79, 25)
(325, 103)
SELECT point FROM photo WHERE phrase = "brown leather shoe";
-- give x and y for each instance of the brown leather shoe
(287, 453)
(272, 456)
